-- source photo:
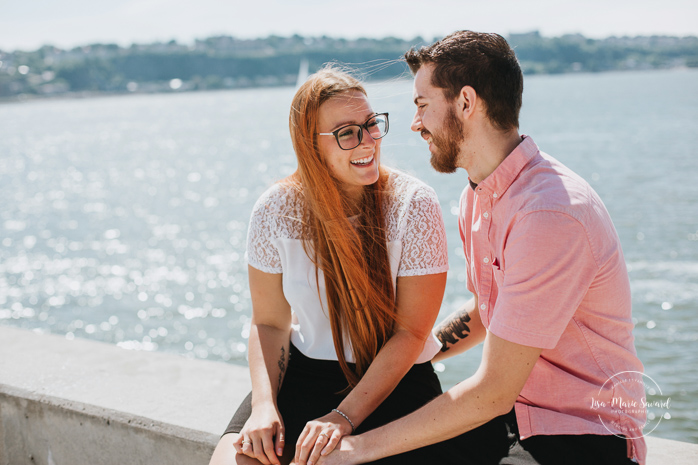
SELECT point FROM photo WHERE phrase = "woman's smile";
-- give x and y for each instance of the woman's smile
(363, 162)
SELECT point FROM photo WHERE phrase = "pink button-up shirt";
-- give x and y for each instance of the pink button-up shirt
(546, 264)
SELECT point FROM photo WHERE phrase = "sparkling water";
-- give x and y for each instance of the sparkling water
(123, 219)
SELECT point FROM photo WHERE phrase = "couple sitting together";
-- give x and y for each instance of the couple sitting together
(347, 271)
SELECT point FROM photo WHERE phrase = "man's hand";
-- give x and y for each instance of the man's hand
(346, 453)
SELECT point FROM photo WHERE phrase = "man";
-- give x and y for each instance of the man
(551, 291)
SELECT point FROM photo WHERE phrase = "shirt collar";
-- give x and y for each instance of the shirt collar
(503, 176)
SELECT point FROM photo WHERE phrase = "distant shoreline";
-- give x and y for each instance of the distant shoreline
(225, 62)
(26, 98)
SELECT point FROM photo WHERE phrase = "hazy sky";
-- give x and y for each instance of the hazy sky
(28, 24)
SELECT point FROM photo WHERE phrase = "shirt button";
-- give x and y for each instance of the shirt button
(483, 306)
(486, 215)
(486, 260)
(495, 195)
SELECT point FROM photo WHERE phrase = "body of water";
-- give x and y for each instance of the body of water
(123, 219)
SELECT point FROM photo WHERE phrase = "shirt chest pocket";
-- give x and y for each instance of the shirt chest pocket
(498, 275)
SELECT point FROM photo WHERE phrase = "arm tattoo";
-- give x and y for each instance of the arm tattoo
(282, 367)
(453, 329)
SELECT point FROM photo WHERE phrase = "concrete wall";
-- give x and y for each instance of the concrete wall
(87, 403)
(83, 402)
(51, 431)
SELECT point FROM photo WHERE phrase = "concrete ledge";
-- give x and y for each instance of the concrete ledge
(83, 402)
(52, 431)
(668, 452)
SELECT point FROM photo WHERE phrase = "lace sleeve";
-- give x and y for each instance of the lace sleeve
(424, 247)
(261, 252)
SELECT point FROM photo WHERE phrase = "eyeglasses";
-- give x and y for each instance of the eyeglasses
(349, 137)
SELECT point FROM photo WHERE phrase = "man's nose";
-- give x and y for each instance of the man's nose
(416, 125)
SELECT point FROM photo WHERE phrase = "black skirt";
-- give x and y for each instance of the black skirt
(312, 388)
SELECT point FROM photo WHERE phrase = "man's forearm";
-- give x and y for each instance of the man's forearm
(490, 392)
(460, 331)
(453, 329)
(459, 410)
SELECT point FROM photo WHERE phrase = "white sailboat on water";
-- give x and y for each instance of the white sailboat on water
(302, 72)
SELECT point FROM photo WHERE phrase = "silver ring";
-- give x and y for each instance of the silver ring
(324, 434)
(245, 442)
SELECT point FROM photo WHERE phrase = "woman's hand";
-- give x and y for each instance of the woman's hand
(320, 437)
(262, 437)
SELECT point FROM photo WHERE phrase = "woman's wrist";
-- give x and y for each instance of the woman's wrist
(346, 417)
(263, 403)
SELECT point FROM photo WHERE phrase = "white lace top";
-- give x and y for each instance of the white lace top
(416, 246)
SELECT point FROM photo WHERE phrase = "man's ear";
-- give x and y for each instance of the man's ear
(467, 101)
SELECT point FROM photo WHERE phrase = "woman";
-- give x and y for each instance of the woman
(347, 269)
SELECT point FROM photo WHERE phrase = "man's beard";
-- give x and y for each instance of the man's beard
(444, 159)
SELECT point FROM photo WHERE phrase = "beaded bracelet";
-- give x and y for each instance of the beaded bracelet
(346, 418)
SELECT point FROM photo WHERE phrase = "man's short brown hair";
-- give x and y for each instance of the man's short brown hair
(482, 61)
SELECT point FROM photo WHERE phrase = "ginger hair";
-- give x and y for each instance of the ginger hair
(353, 256)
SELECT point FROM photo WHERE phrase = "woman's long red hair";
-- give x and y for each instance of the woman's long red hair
(352, 257)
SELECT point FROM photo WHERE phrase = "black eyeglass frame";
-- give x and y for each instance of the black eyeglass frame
(361, 131)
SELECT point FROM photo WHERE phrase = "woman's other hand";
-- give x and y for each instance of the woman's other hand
(262, 437)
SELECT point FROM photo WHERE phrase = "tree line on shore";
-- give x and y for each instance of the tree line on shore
(226, 62)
